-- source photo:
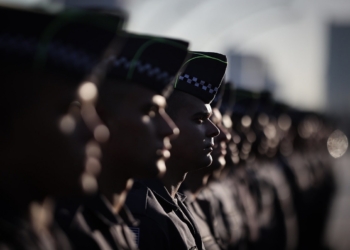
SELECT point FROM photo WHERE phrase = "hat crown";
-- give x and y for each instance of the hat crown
(150, 61)
(202, 74)
(70, 41)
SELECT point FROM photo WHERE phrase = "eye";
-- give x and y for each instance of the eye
(74, 108)
(199, 120)
(152, 111)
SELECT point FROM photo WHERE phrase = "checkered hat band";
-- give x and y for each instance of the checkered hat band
(198, 83)
(61, 54)
(143, 68)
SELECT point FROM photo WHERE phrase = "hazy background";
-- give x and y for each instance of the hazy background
(299, 50)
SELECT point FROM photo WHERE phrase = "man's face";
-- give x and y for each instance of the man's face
(220, 141)
(49, 141)
(192, 149)
(139, 133)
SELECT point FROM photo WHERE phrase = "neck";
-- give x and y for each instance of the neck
(172, 179)
(196, 180)
(115, 188)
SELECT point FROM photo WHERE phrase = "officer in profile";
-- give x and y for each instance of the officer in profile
(232, 231)
(42, 133)
(202, 209)
(165, 222)
(132, 106)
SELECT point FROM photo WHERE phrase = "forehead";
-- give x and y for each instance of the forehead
(139, 95)
(190, 105)
(131, 95)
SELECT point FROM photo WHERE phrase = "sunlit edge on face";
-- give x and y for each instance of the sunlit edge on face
(67, 124)
(337, 144)
(161, 167)
(159, 100)
(89, 183)
(88, 91)
(101, 133)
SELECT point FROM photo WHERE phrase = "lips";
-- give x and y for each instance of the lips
(209, 148)
(163, 153)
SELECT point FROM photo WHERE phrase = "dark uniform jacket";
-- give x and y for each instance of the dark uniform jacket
(165, 223)
(229, 210)
(95, 226)
(204, 221)
(238, 182)
(218, 224)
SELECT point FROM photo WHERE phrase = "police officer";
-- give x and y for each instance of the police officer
(42, 134)
(132, 105)
(166, 223)
(207, 212)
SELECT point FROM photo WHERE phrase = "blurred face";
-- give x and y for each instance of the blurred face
(220, 142)
(139, 133)
(194, 145)
(48, 142)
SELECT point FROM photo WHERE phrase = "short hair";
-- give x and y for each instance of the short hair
(176, 102)
(113, 94)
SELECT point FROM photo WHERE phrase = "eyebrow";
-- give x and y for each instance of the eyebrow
(203, 114)
(159, 105)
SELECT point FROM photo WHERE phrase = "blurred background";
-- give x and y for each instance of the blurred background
(298, 50)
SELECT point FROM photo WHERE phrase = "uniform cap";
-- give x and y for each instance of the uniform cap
(202, 74)
(69, 42)
(150, 61)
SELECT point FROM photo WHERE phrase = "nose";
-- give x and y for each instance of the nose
(167, 127)
(212, 130)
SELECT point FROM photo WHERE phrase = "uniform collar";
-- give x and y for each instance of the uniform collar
(103, 209)
(189, 197)
(126, 215)
(181, 197)
(158, 189)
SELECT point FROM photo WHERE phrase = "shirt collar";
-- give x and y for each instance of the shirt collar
(128, 218)
(158, 189)
(104, 210)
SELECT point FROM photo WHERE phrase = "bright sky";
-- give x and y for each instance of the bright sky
(290, 36)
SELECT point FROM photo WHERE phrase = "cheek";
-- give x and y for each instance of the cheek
(132, 135)
(190, 139)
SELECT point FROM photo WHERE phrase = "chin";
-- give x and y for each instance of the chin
(207, 161)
